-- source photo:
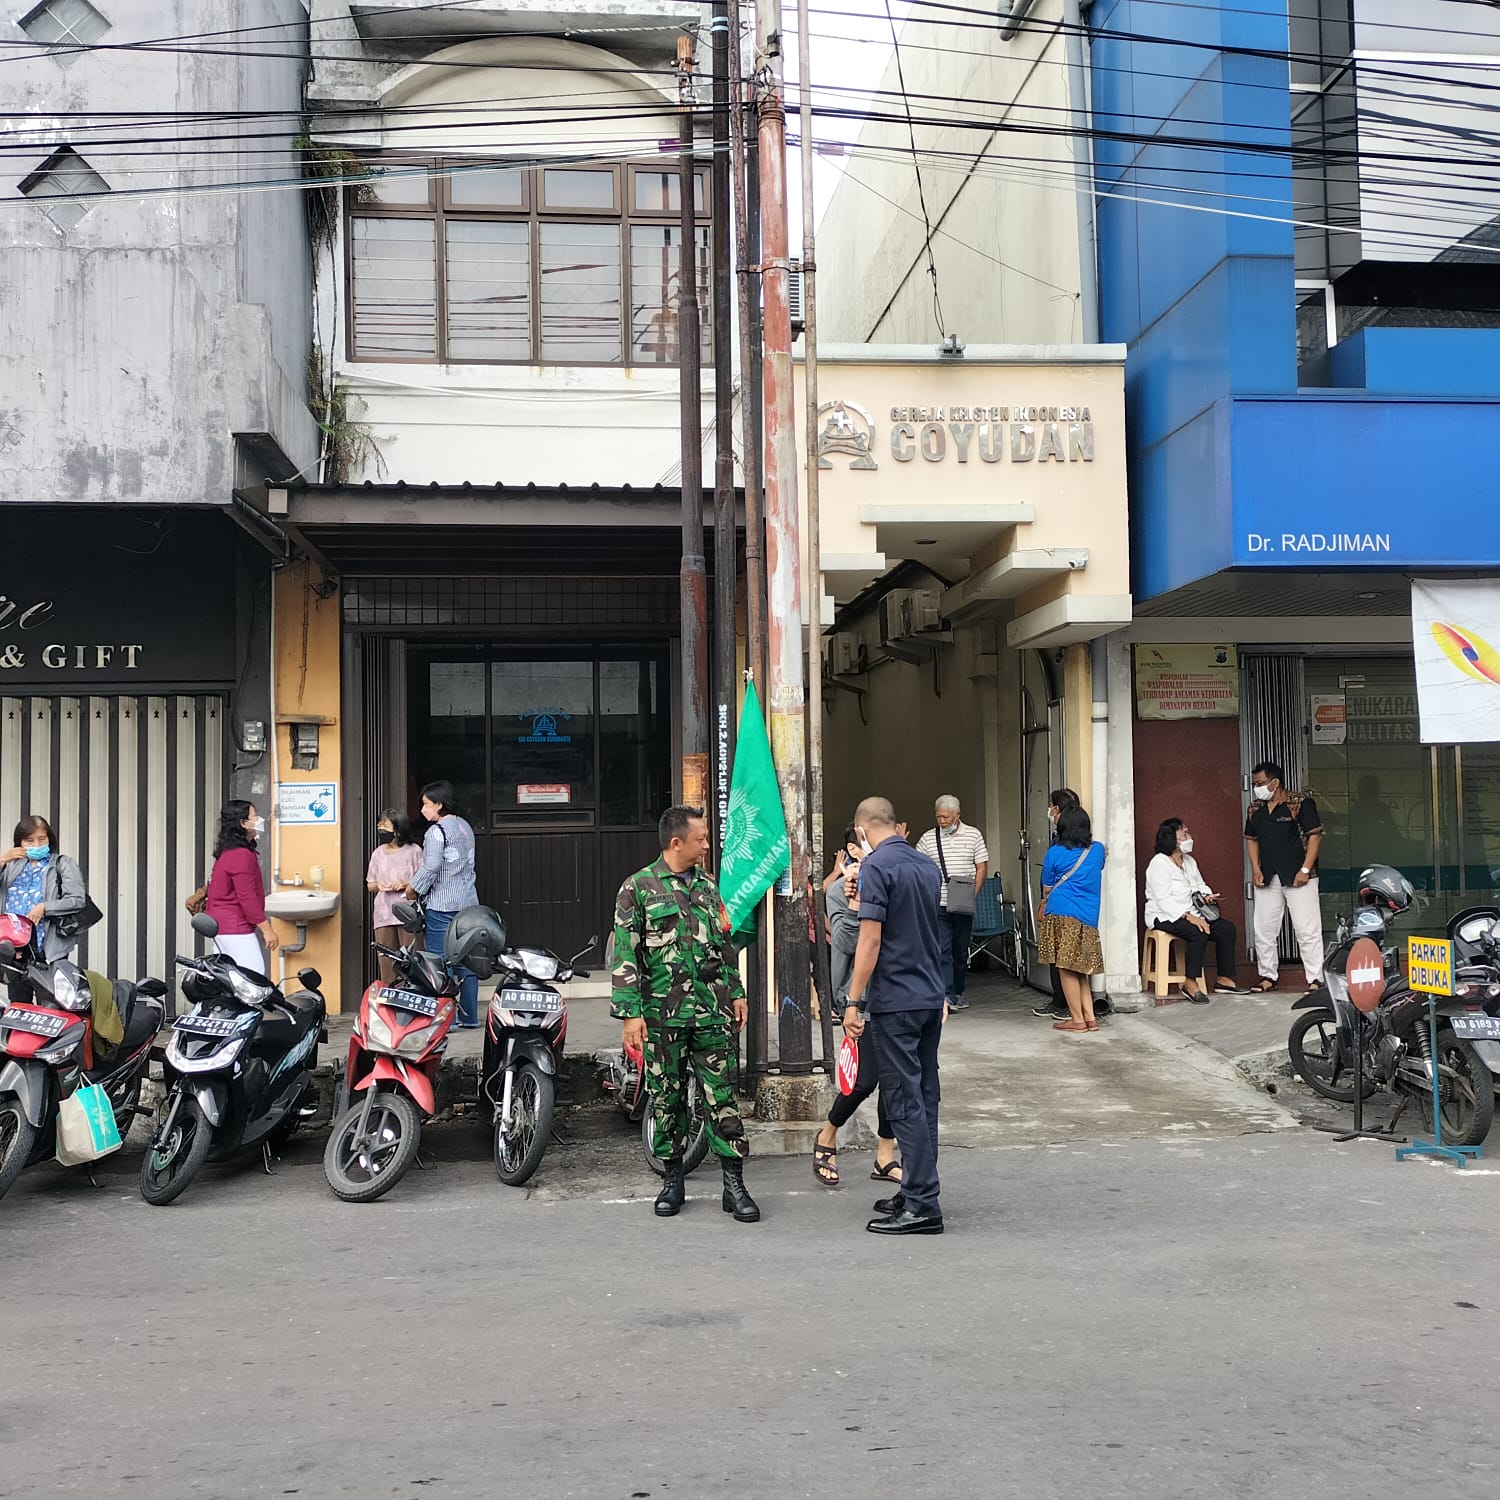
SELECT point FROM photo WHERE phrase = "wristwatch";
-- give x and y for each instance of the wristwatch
(1304, 871)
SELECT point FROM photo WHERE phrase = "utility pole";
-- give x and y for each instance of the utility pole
(787, 687)
(694, 584)
(821, 966)
(746, 182)
(725, 551)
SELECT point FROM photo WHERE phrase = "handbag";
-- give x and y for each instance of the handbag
(960, 892)
(86, 1128)
(1072, 870)
(74, 922)
(1208, 910)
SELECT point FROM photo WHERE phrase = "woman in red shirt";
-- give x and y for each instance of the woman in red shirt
(236, 891)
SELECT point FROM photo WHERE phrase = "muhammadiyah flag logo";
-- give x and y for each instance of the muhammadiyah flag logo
(755, 850)
(1469, 652)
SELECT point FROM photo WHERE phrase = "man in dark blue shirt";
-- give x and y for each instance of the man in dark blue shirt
(898, 981)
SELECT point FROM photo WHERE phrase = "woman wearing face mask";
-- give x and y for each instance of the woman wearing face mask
(43, 886)
(446, 878)
(1175, 891)
(394, 862)
(236, 892)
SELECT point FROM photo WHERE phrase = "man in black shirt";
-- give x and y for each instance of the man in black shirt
(1283, 834)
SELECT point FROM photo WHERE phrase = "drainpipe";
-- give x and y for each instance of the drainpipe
(1082, 119)
(1019, 10)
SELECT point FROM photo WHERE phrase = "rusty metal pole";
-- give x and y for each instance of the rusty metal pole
(726, 551)
(694, 582)
(821, 966)
(788, 694)
(747, 284)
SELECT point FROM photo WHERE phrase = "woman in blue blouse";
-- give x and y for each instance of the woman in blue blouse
(1068, 933)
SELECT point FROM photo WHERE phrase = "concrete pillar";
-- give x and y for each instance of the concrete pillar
(1115, 824)
(1078, 733)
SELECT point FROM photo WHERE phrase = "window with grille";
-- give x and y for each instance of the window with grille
(64, 187)
(64, 27)
(491, 264)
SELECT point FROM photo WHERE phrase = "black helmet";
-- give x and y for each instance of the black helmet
(1385, 886)
(476, 939)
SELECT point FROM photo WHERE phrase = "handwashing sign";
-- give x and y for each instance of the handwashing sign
(1429, 965)
(307, 802)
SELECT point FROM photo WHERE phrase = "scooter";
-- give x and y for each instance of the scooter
(525, 1031)
(388, 1086)
(48, 1047)
(238, 1069)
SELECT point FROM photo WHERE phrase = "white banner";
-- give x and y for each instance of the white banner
(1455, 624)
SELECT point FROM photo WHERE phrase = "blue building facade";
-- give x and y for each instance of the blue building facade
(1301, 249)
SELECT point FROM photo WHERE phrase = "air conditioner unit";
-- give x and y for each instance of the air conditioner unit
(895, 616)
(794, 297)
(923, 611)
(846, 654)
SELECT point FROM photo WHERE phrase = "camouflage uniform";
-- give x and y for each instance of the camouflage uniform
(675, 967)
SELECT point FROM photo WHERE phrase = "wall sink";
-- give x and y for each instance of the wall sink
(302, 906)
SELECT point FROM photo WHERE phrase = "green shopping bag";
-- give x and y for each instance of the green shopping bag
(86, 1128)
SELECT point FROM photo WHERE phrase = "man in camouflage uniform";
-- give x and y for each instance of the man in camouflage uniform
(677, 988)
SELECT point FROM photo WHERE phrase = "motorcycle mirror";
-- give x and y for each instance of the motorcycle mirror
(205, 926)
(588, 947)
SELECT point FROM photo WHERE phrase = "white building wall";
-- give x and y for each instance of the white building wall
(1001, 200)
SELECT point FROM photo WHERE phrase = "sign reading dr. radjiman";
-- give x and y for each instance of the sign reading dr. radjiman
(1455, 628)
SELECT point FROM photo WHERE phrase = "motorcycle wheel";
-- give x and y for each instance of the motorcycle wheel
(17, 1141)
(363, 1175)
(1467, 1092)
(170, 1165)
(519, 1150)
(1313, 1046)
(697, 1147)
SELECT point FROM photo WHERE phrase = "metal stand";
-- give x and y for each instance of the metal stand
(1435, 1147)
(1359, 1133)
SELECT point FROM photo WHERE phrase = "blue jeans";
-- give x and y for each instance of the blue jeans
(438, 923)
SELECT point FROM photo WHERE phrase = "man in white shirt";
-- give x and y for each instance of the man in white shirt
(959, 852)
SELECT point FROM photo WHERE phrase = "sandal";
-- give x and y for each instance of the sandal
(826, 1165)
(883, 1173)
(1263, 988)
(1069, 1026)
(1091, 1026)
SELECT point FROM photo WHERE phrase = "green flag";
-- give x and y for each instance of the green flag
(755, 843)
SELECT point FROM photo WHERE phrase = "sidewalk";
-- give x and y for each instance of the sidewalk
(1249, 1030)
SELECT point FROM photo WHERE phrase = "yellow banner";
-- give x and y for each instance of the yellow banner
(1429, 965)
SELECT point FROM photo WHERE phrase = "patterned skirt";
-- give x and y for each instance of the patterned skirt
(1070, 944)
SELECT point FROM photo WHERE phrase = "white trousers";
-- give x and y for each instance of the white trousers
(1272, 901)
(245, 949)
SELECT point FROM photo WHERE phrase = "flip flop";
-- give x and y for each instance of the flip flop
(826, 1165)
(1265, 987)
(883, 1174)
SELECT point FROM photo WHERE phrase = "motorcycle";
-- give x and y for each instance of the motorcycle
(625, 1078)
(1394, 1040)
(388, 1083)
(238, 1069)
(525, 1031)
(48, 1047)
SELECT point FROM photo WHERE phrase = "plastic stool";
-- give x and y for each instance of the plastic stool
(1163, 962)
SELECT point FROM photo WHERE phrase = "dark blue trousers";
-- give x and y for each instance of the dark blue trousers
(906, 1048)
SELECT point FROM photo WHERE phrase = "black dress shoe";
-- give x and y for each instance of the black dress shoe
(892, 1205)
(907, 1222)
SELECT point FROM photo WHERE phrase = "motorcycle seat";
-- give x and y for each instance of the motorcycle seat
(289, 1019)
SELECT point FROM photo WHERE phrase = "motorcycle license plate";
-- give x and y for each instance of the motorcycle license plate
(204, 1025)
(418, 1005)
(33, 1021)
(540, 1000)
(1475, 1027)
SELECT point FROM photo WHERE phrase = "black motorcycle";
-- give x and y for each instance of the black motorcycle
(238, 1069)
(525, 1032)
(1394, 1040)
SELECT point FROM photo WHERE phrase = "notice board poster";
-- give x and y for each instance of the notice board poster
(1187, 682)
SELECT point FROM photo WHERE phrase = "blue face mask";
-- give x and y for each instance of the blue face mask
(41, 853)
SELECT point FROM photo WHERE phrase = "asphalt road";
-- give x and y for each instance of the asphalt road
(1257, 1315)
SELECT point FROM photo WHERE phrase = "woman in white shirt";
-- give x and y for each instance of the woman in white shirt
(1174, 890)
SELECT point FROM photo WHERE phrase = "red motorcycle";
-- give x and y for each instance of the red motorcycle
(389, 1083)
(48, 1047)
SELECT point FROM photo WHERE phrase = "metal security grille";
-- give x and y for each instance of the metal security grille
(133, 787)
(607, 602)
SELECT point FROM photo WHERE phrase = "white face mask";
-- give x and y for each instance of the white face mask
(1186, 845)
(258, 827)
(1262, 793)
(864, 843)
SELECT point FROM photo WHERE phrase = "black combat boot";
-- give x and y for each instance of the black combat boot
(673, 1190)
(737, 1200)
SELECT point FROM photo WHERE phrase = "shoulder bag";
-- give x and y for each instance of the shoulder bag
(1071, 871)
(960, 891)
